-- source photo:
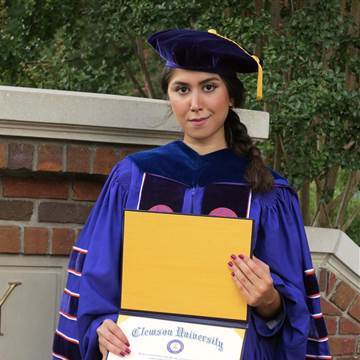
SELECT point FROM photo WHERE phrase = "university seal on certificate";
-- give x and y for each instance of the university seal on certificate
(177, 298)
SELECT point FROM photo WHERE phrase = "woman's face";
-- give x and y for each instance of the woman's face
(200, 102)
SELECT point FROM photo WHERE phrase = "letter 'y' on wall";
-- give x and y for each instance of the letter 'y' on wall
(8, 291)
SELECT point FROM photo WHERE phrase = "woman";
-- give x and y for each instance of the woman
(215, 170)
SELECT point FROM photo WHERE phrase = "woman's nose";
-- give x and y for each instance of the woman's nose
(195, 102)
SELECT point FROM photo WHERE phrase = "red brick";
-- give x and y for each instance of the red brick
(15, 210)
(342, 345)
(331, 282)
(20, 156)
(50, 157)
(61, 212)
(328, 308)
(36, 240)
(62, 241)
(125, 151)
(32, 187)
(3, 156)
(105, 159)
(343, 296)
(331, 324)
(349, 327)
(78, 159)
(87, 189)
(9, 239)
(354, 310)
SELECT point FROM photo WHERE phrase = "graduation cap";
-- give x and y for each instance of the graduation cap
(205, 51)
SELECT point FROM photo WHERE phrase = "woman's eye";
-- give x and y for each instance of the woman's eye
(209, 87)
(182, 90)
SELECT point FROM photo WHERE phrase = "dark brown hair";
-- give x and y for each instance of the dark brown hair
(236, 135)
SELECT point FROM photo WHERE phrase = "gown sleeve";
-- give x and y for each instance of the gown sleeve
(92, 292)
(299, 330)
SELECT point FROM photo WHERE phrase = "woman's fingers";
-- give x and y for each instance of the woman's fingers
(254, 269)
(247, 288)
(256, 265)
(246, 268)
(249, 269)
(252, 277)
(110, 347)
(112, 338)
(103, 351)
(116, 331)
(245, 292)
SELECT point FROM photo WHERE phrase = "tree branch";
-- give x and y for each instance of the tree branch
(282, 147)
(259, 40)
(319, 189)
(351, 219)
(133, 78)
(316, 215)
(350, 189)
(277, 154)
(335, 202)
(330, 180)
(275, 14)
(329, 224)
(141, 58)
(353, 52)
(349, 145)
(304, 202)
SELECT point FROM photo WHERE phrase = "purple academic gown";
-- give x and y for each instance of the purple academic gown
(175, 178)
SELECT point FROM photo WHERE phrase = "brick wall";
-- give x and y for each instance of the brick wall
(341, 309)
(47, 189)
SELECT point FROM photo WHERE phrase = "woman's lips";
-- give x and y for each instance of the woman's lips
(199, 121)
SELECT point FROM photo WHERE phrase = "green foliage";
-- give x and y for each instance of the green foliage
(354, 229)
(308, 59)
(311, 106)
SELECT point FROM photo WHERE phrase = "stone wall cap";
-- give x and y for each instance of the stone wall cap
(59, 114)
(337, 243)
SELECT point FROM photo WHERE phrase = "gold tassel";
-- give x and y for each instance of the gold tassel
(259, 86)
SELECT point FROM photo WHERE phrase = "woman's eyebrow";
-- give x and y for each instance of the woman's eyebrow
(210, 79)
(180, 83)
(201, 82)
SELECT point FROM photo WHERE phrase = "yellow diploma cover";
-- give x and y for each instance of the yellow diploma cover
(175, 268)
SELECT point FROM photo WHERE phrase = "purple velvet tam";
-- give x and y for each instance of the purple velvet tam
(202, 51)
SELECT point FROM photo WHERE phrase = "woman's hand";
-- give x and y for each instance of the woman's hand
(112, 338)
(253, 279)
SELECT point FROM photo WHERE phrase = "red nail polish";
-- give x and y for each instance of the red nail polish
(241, 256)
(232, 274)
(230, 263)
(128, 351)
(233, 257)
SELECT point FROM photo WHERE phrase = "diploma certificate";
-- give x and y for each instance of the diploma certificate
(174, 268)
(157, 339)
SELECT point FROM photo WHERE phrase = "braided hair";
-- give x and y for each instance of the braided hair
(236, 135)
